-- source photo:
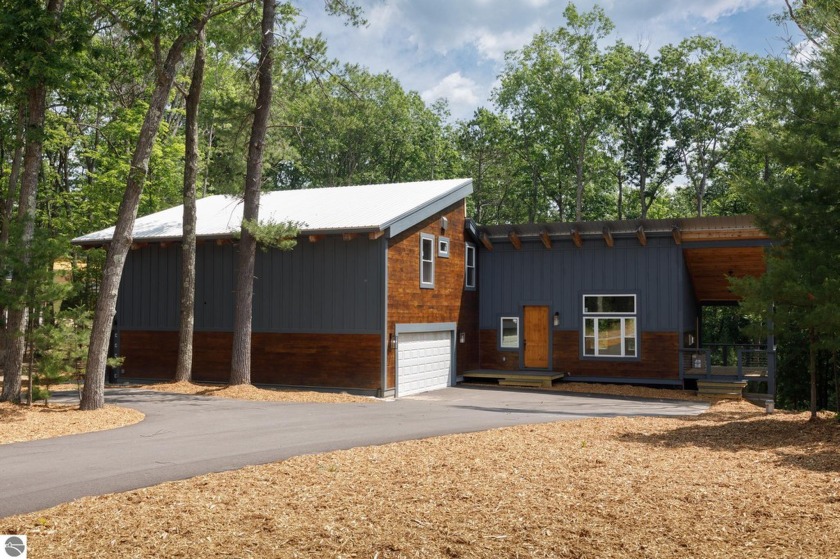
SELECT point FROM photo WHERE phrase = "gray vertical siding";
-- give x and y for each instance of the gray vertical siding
(330, 286)
(151, 276)
(509, 278)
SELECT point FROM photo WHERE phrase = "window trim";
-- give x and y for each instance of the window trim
(470, 248)
(516, 321)
(622, 317)
(441, 251)
(429, 283)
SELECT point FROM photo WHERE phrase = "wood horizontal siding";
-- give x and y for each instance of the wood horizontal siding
(492, 358)
(328, 360)
(659, 357)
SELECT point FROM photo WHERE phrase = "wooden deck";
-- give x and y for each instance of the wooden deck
(530, 379)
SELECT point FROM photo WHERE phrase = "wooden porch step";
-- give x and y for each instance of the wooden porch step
(721, 389)
(512, 378)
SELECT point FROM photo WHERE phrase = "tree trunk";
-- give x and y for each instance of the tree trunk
(240, 370)
(579, 188)
(620, 195)
(15, 342)
(93, 396)
(183, 371)
(14, 176)
(812, 371)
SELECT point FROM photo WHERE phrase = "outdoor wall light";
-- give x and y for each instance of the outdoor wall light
(444, 223)
(462, 337)
(557, 319)
(393, 341)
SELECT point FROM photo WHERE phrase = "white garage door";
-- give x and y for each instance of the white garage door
(424, 361)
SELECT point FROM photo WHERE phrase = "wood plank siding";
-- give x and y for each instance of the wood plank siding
(321, 360)
(659, 357)
(448, 301)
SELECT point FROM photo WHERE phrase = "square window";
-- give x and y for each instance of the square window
(443, 247)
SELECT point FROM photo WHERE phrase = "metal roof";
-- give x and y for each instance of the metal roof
(721, 224)
(372, 207)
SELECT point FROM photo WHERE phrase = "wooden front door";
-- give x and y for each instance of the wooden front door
(535, 337)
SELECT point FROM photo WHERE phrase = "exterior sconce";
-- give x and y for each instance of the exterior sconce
(462, 337)
(393, 342)
(557, 319)
(444, 223)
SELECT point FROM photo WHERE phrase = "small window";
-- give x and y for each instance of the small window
(509, 332)
(469, 264)
(443, 247)
(427, 261)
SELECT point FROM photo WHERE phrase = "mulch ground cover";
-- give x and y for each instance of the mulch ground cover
(732, 482)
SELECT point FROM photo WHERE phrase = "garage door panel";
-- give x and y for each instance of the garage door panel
(424, 361)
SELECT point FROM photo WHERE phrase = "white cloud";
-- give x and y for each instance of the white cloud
(493, 46)
(456, 88)
(455, 49)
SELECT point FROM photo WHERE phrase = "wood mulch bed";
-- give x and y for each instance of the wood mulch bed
(23, 423)
(249, 392)
(629, 391)
(732, 482)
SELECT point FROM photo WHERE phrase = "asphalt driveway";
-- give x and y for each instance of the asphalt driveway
(184, 436)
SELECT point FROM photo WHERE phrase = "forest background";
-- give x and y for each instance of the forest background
(580, 127)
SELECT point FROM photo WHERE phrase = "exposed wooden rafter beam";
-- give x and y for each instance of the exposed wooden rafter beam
(138, 246)
(514, 240)
(640, 234)
(223, 242)
(164, 244)
(576, 237)
(373, 235)
(546, 240)
(349, 236)
(608, 238)
(677, 235)
(485, 240)
(315, 238)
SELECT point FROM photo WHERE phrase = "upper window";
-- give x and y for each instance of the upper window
(509, 332)
(443, 247)
(609, 326)
(469, 265)
(427, 261)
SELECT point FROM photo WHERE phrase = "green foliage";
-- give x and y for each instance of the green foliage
(798, 203)
(61, 347)
(359, 128)
(273, 234)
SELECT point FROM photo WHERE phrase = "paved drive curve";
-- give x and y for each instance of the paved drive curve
(184, 436)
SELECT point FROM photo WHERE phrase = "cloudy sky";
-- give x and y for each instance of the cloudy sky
(455, 48)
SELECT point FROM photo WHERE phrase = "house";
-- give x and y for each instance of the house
(378, 296)
(617, 301)
(391, 290)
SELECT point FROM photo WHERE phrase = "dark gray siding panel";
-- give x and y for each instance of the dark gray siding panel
(329, 286)
(151, 277)
(561, 275)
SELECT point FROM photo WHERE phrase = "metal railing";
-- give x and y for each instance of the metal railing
(727, 362)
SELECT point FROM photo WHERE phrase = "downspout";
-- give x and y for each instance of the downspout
(384, 367)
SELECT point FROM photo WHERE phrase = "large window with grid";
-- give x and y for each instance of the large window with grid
(609, 326)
